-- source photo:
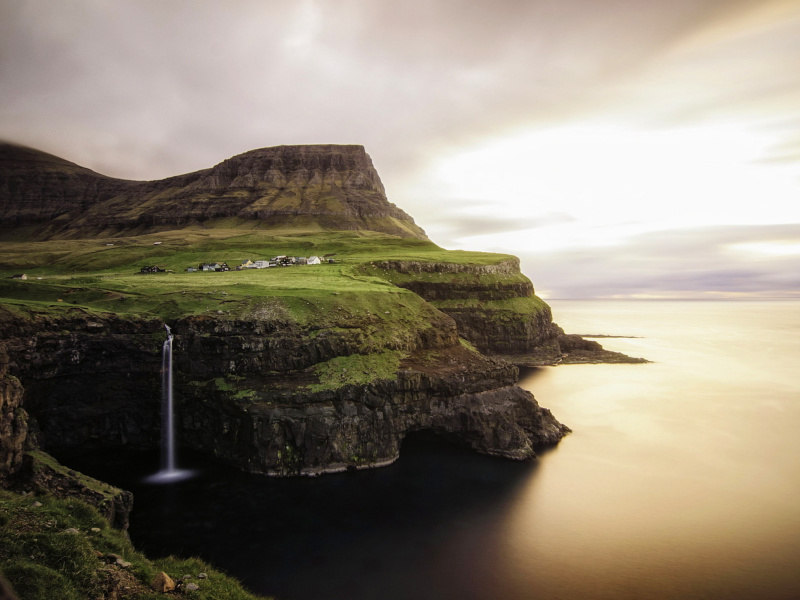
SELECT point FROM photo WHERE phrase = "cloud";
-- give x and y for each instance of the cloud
(459, 226)
(678, 262)
(144, 89)
(149, 88)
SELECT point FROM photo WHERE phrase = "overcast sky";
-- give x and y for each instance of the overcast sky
(630, 148)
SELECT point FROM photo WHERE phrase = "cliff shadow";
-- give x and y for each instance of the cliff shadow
(303, 537)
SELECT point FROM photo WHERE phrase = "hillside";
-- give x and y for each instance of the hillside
(305, 188)
(308, 368)
(286, 370)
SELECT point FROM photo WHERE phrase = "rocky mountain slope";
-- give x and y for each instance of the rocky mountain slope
(328, 187)
(268, 395)
(295, 371)
(281, 371)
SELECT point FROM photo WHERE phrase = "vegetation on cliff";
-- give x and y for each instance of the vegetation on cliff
(63, 548)
(283, 371)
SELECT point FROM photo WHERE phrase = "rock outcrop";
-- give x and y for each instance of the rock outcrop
(24, 468)
(495, 309)
(332, 187)
(13, 421)
(271, 387)
(250, 392)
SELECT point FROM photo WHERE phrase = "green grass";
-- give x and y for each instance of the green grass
(357, 369)
(42, 460)
(529, 305)
(54, 548)
(91, 275)
(398, 278)
(180, 249)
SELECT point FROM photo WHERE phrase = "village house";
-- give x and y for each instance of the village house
(151, 269)
(20, 276)
(215, 266)
(277, 261)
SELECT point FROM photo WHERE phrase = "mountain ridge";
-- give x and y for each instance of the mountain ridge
(320, 186)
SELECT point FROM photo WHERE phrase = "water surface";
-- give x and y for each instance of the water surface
(681, 480)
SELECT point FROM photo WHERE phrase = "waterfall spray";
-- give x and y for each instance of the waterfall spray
(168, 471)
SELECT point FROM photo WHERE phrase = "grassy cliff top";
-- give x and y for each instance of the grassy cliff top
(101, 277)
(179, 249)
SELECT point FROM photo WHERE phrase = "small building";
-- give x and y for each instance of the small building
(261, 264)
(246, 264)
(191, 270)
(313, 260)
(209, 266)
(151, 269)
(156, 243)
(20, 276)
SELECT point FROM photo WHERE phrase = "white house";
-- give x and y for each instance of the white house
(313, 260)
(261, 264)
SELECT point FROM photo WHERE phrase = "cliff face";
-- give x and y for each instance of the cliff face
(252, 393)
(320, 186)
(13, 421)
(494, 306)
(25, 468)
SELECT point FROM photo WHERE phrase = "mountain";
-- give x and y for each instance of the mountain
(322, 187)
(281, 371)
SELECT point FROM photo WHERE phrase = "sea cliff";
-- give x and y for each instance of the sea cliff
(291, 371)
(268, 395)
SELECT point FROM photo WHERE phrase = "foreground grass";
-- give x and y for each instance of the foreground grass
(55, 548)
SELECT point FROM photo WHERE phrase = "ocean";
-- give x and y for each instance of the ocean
(681, 479)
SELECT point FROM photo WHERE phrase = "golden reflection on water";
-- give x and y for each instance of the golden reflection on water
(682, 477)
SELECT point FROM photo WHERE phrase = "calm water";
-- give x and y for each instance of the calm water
(681, 480)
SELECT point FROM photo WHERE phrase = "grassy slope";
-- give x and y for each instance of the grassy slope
(64, 274)
(60, 548)
(189, 247)
(99, 277)
(496, 310)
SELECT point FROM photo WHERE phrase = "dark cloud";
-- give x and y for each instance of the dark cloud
(149, 88)
(681, 262)
(146, 89)
(459, 226)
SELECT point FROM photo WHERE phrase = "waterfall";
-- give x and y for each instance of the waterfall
(167, 425)
(169, 471)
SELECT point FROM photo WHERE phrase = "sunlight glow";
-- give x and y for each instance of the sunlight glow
(616, 177)
(771, 249)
